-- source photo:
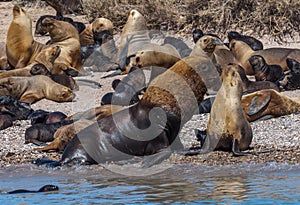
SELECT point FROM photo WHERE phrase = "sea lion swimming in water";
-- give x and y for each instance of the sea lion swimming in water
(46, 188)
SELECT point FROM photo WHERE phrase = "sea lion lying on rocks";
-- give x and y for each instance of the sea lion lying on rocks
(21, 48)
(35, 88)
(66, 36)
(291, 80)
(272, 56)
(42, 116)
(263, 71)
(254, 43)
(228, 128)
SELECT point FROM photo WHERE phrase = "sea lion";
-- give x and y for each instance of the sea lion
(65, 133)
(34, 88)
(272, 56)
(179, 44)
(66, 6)
(18, 110)
(93, 29)
(291, 80)
(5, 120)
(268, 103)
(45, 117)
(254, 43)
(198, 33)
(263, 71)
(63, 79)
(46, 188)
(228, 128)
(45, 58)
(171, 98)
(21, 48)
(134, 35)
(66, 36)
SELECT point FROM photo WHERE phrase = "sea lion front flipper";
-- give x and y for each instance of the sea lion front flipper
(259, 102)
(157, 158)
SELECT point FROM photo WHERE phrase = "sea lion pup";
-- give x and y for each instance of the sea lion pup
(263, 71)
(254, 43)
(98, 25)
(65, 133)
(66, 6)
(63, 79)
(21, 48)
(34, 88)
(291, 80)
(45, 58)
(46, 188)
(18, 110)
(5, 120)
(134, 35)
(268, 103)
(179, 44)
(228, 128)
(63, 34)
(272, 56)
(45, 117)
(166, 106)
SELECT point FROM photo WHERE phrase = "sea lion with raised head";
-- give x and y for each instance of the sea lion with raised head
(21, 48)
(263, 71)
(34, 88)
(272, 56)
(254, 43)
(63, 34)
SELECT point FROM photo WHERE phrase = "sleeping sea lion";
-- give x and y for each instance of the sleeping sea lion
(291, 80)
(64, 35)
(228, 128)
(272, 56)
(263, 71)
(34, 88)
(254, 43)
(21, 48)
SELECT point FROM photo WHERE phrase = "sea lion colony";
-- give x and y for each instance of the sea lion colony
(180, 78)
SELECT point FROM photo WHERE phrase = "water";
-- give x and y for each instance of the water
(180, 184)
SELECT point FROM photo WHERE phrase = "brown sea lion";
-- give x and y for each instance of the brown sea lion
(98, 25)
(63, 34)
(268, 103)
(291, 80)
(147, 128)
(46, 58)
(263, 71)
(228, 128)
(21, 48)
(134, 35)
(34, 88)
(272, 56)
(254, 43)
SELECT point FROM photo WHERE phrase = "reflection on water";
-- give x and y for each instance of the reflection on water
(242, 184)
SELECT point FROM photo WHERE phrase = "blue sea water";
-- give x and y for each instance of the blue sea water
(180, 184)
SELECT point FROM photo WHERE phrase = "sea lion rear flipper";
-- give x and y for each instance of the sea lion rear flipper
(46, 162)
(117, 72)
(258, 103)
(157, 158)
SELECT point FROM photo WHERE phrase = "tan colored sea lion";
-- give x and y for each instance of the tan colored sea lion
(21, 48)
(134, 36)
(272, 56)
(34, 88)
(63, 34)
(268, 103)
(64, 134)
(98, 25)
(46, 57)
(228, 128)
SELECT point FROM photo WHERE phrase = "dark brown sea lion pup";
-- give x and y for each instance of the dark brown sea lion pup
(46, 188)
(63, 79)
(168, 103)
(291, 80)
(263, 71)
(66, 36)
(42, 116)
(254, 43)
(93, 29)
(272, 56)
(228, 128)
(45, 58)
(21, 48)
(34, 88)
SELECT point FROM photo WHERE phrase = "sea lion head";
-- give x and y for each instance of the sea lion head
(19, 12)
(257, 62)
(60, 93)
(135, 22)
(197, 34)
(48, 55)
(233, 35)
(293, 65)
(205, 45)
(101, 24)
(231, 79)
(39, 69)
